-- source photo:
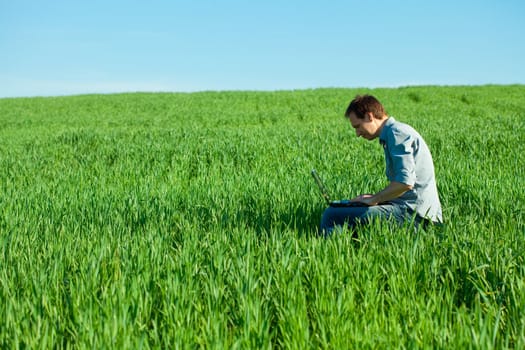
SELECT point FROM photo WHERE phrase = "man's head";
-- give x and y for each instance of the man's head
(367, 115)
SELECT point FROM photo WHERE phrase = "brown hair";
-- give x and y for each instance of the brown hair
(363, 104)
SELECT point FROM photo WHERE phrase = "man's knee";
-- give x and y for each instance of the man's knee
(353, 216)
(338, 218)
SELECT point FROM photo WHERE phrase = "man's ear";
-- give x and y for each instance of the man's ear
(369, 116)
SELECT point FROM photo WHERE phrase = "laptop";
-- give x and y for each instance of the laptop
(329, 201)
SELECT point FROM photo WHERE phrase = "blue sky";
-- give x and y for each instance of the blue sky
(59, 47)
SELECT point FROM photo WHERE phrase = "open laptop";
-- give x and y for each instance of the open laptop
(329, 201)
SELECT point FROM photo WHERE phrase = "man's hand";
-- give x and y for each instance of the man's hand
(364, 198)
(392, 191)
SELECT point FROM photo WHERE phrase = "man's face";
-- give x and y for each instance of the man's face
(366, 128)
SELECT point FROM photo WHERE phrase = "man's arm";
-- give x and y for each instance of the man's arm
(392, 191)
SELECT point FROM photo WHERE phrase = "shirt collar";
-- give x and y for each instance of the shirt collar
(384, 131)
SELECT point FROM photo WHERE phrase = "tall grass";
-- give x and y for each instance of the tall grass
(190, 220)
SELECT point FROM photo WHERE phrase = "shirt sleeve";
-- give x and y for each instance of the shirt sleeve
(401, 149)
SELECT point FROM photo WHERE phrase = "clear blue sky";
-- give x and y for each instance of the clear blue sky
(64, 47)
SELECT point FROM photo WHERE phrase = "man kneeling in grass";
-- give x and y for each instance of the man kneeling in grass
(411, 194)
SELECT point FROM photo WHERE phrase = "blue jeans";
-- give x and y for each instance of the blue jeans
(351, 216)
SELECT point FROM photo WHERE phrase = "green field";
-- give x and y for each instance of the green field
(190, 221)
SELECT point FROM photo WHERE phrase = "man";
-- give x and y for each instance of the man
(411, 194)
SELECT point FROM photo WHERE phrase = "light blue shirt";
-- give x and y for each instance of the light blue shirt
(408, 160)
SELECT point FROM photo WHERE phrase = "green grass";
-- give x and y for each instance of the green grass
(190, 221)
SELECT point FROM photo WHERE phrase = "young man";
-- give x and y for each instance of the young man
(411, 193)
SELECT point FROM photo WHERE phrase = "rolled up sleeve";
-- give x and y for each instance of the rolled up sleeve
(401, 149)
